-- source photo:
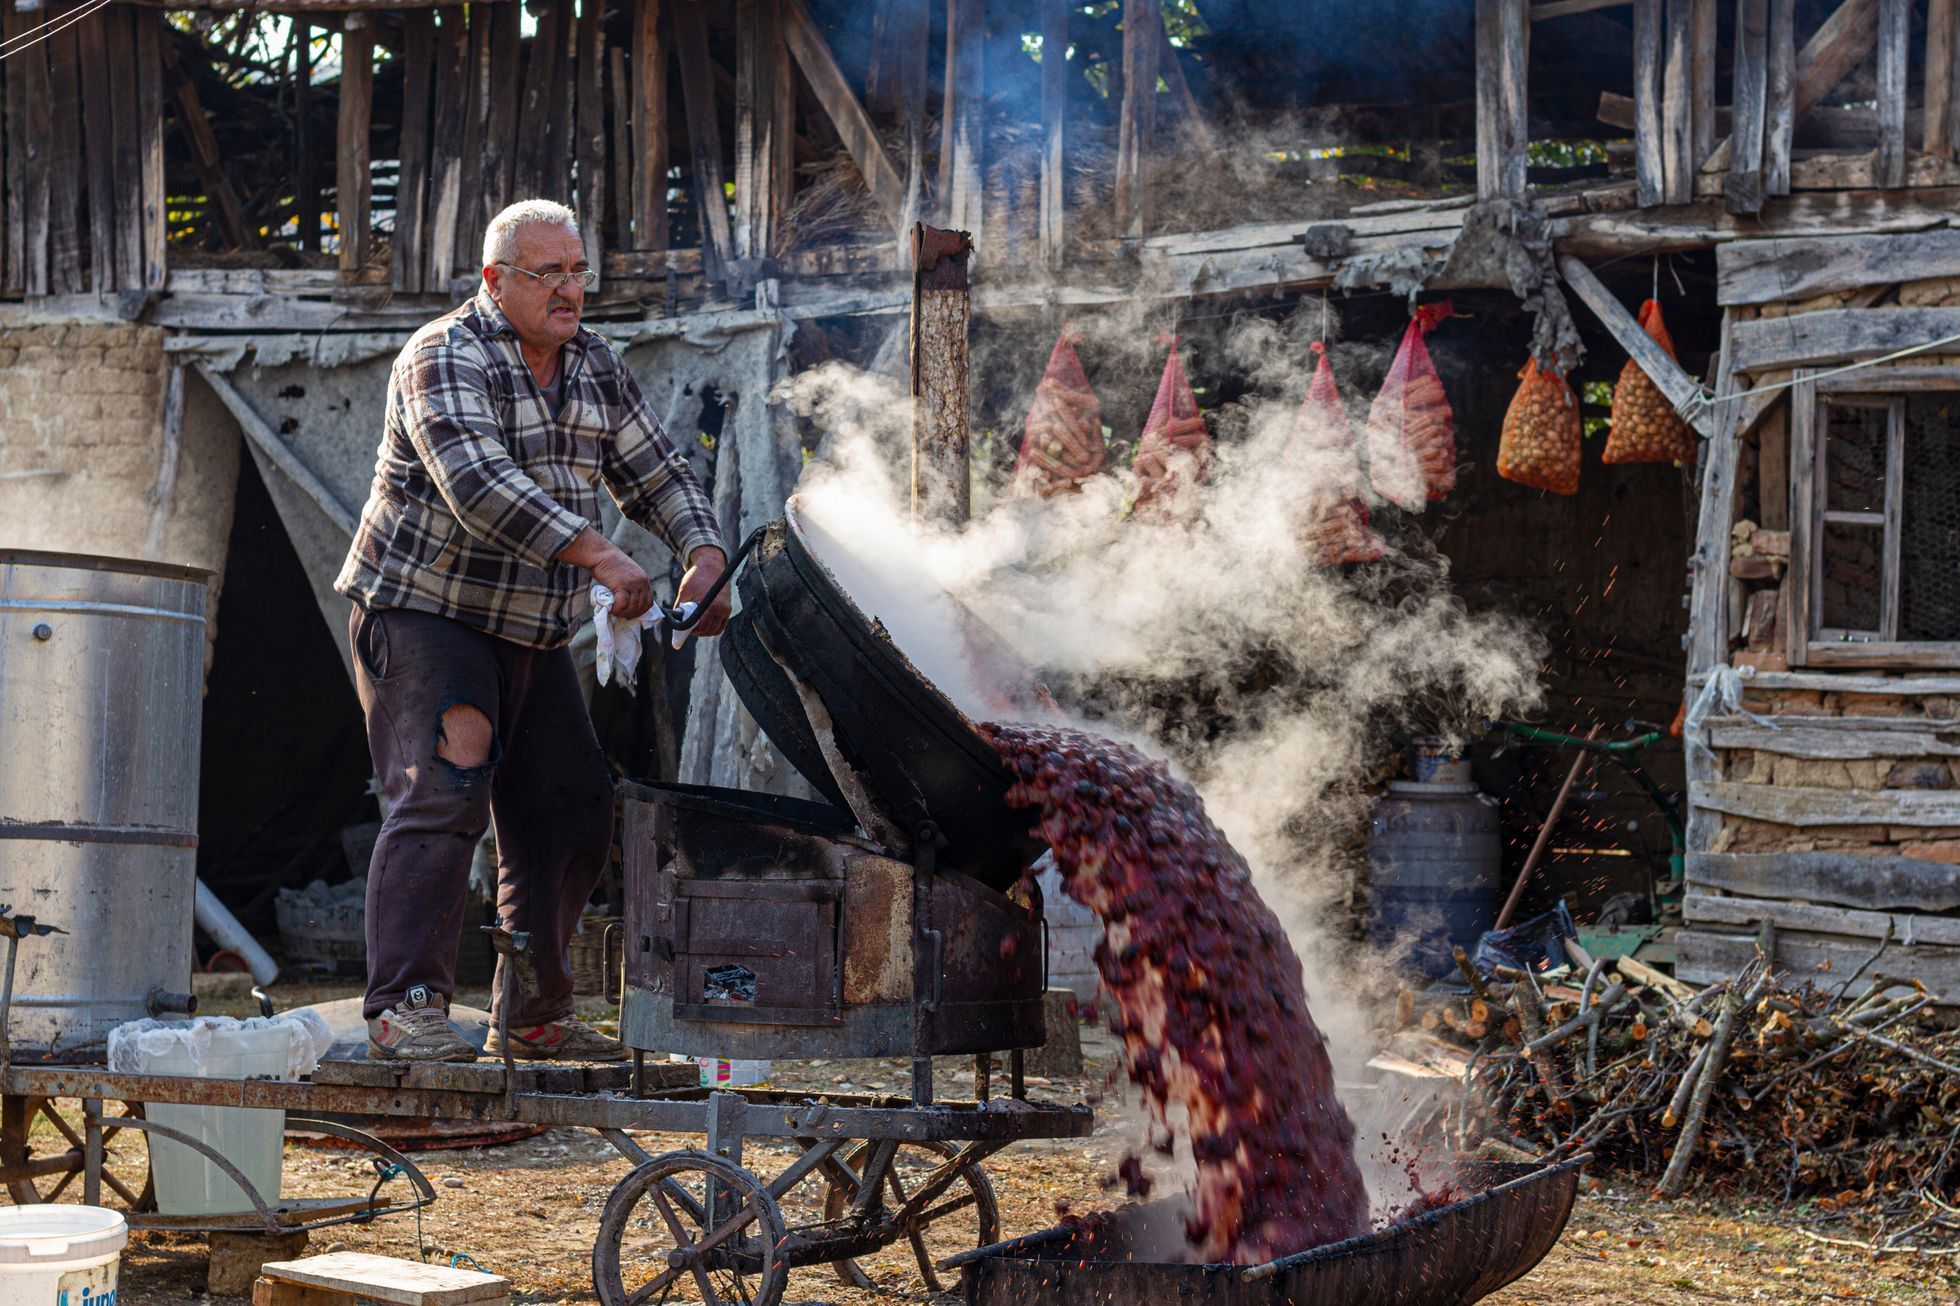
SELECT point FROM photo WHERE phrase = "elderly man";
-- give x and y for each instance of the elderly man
(477, 542)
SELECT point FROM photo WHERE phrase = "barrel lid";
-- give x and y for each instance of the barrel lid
(96, 562)
(42, 1233)
(1431, 788)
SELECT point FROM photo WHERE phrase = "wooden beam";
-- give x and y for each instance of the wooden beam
(1662, 370)
(1054, 130)
(1708, 577)
(479, 87)
(1744, 192)
(1649, 165)
(1614, 233)
(649, 74)
(277, 452)
(563, 150)
(13, 160)
(1800, 585)
(500, 123)
(912, 47)
(1549, 9)
(30, 69)
(1503, 39)
(1712, 909)
(306, 186)
(1874, 882)
(1808, 805)
(408, 246)
(1772, 468)
(1830, 962)
(1894, 30)
(445, 244)
(99, 151)
(1838, 682)
(1838, 738)
(962, 196)
(149, 145)
(1677, 104)
(1143, 24)
(764, 123)
(1790, 270)
(353, 186)
(1702, 52)
(1834, 335)
(66, 167)
(703, 132)
(591, 131)
(1780, 111)
(1837, 47)
(530, 160)
(1936, 135)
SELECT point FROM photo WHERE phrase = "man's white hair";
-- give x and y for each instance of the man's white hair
(500, 237)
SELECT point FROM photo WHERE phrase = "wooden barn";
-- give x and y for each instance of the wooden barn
(222, 220)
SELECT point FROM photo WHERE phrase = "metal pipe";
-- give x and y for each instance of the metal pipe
(216, 920)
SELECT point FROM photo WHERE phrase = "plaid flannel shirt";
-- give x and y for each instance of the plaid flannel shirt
(477, 488)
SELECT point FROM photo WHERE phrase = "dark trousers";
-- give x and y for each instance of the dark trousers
(546, 786)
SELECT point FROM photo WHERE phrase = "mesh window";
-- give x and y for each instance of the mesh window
(1853, 560)
(1854, 457)
(1929, 546)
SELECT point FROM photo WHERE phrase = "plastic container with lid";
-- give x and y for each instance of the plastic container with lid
(60, 1255)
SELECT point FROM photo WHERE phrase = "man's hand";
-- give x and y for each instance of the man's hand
(704, 567)
(611, 567)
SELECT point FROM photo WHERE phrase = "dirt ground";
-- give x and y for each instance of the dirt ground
(530, 1211)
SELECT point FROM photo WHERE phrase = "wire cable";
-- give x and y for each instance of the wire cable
(50, 28)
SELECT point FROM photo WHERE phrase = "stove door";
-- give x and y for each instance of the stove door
(756, 951)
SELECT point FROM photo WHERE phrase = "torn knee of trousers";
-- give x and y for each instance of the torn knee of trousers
(465, 743)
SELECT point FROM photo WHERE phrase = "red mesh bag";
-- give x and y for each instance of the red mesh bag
(1062, 445)
(1540, 445)
(1646, 429)
(1411, 430)
(1337, 518)
(1175, 448)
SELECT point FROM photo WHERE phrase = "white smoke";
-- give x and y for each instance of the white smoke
(1303, 671)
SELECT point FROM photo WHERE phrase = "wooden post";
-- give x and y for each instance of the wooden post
(941, 309)
(500, 123)
(478, 89)
(1649, 167)
(1744, 190)
(703, 134)
(962, 138)
(13, 158)
(1894, 30)
(447, 243)
(536, 101)
(352, 190)
(65, 231)
(912, 45)
(563, 141)
(1780, 111)
(306, 190)
(1701, 36)
(1677, 104)
(1054, 119)
(590, 131)
(649, 130)
(1503, 31)
(764, 121)
(1937, 137)
(1143, 23)
(149, 144)
(30, 69)
(99, 146)
(409, 245)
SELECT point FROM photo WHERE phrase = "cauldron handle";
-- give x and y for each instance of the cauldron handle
(670, 612)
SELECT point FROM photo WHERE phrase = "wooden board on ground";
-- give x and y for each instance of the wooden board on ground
(387, 1279)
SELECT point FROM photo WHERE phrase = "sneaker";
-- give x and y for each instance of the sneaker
(566, 1039)
(417, 1029)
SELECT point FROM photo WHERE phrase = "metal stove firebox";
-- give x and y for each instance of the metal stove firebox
(871, 926)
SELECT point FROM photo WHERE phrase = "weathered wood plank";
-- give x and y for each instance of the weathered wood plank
(649, 134)
(149, 148)
(1894, 29)
(445, 240)
(1803, 519)
(1137, 125)
(841, 105)
(1780, 113)
(1843, 738)
(1882, 653)
(1907, 927)
(1744, 191)
(1503, 36)
(703, 131)
(13, 160)
(1871, 882)
(1708, 596)
(478, 89)
(409, 244)
(1831, 963)
(562, 150)
(962, 157)
(1662, 370)
(1837, 47)
(1702, 54)
(99, 151)
(911, 47)
(1649, 163)
(1807, 805)
(1775, 271)
(306, 186)
(1936, 132)
(66, 229)
(1677, 104)
(530, 159)
(31, 67)
(591, 131)
(1833, 335)
(1054, 131)
(500, 123)
(353, 188)
(1773, 468)
(1547, 9)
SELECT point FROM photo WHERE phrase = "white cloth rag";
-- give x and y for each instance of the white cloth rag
(619, 638)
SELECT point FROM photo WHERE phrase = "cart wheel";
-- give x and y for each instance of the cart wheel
(41, 1153)
(656, 1235)
(962, 1217)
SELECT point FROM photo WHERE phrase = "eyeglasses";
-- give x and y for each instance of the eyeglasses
(586, 278)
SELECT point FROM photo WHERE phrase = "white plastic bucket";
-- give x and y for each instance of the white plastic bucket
(187, 1183)
(60, 1255)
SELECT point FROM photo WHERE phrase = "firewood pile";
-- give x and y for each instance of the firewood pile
(1843, 1093)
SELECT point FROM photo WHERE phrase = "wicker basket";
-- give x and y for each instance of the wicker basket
(598, 956)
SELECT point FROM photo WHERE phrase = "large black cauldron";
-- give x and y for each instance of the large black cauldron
(859, 721)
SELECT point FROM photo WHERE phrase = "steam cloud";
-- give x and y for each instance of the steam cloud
(1302, 671)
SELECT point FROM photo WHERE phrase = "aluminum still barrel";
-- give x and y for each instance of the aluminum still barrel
(101, 714)
(1434, 861)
